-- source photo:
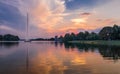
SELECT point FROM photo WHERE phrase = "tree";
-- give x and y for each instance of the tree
(116, 31)
(86, 35)
(106, 33)
(67, 37)
(73, 36)
(61, 38)
(93, 36)
(1, 37)
(80, 36)
(9, 37)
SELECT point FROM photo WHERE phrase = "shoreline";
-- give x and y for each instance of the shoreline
(98, 42)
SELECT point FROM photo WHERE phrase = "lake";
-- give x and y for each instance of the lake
(58, 58)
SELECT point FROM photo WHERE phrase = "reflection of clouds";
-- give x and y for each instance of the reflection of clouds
(46, 63)
(45, 58)
(56, 61)
(78, 61)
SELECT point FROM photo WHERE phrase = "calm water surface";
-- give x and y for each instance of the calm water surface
(58, 58)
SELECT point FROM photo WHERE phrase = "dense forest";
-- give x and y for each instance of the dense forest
(106, 33)
(9, 37)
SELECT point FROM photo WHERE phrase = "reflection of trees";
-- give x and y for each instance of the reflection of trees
(69, 45)
(8, 44)
(80, 47)
(108, 52)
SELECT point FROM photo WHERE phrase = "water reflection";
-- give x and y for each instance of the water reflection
(8, 44)
(108, 52)
(58, 58)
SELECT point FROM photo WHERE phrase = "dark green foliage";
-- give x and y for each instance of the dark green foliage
(80, 36)
(61, 38)
(42, 39)
(110, 33)
(1, 37)
(9, 37)
(73, 36)
(92, 36)
(86, 35)
(116, 32)
(67, 37)
(107, 33)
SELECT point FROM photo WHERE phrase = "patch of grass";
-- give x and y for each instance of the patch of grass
(99, 42)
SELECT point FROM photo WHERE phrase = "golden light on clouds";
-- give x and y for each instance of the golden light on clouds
(50, 16)
(79, 20)
(53, 17)
(46, 16)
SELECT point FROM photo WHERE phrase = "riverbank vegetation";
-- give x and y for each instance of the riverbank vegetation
(105, 34)
(9, 37)
(99, 42)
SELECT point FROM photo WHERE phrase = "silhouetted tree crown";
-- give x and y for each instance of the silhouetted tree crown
(9, 37)
(106, 33)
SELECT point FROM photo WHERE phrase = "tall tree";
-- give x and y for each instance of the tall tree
(73, 36)
(61, 38)
(115, 34)
(67, 37)
(86, 35)
(106, 33)
(80, 36)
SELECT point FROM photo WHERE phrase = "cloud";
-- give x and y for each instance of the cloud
(86, 14)
(3, 27)
(46, 15)
(9, 30)
(43, 14)
(10, 16)
(109, 10)
(48, 18)
(79, 20)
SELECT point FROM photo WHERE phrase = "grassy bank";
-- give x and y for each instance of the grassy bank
(99, 42)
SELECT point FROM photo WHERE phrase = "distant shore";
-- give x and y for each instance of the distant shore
(98, 42)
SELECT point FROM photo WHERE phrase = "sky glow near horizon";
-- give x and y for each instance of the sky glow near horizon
(48, 18)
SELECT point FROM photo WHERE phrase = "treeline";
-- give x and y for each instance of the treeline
(106, 33)
(42, 39)
(9, 37)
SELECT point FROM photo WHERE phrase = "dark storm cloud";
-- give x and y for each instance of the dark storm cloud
(11, 16)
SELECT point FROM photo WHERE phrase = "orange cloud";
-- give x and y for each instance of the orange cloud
(55, 61)
(45, 17)
(52, 18)
(79, 20)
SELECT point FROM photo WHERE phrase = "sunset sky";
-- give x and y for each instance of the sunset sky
(48, 18)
